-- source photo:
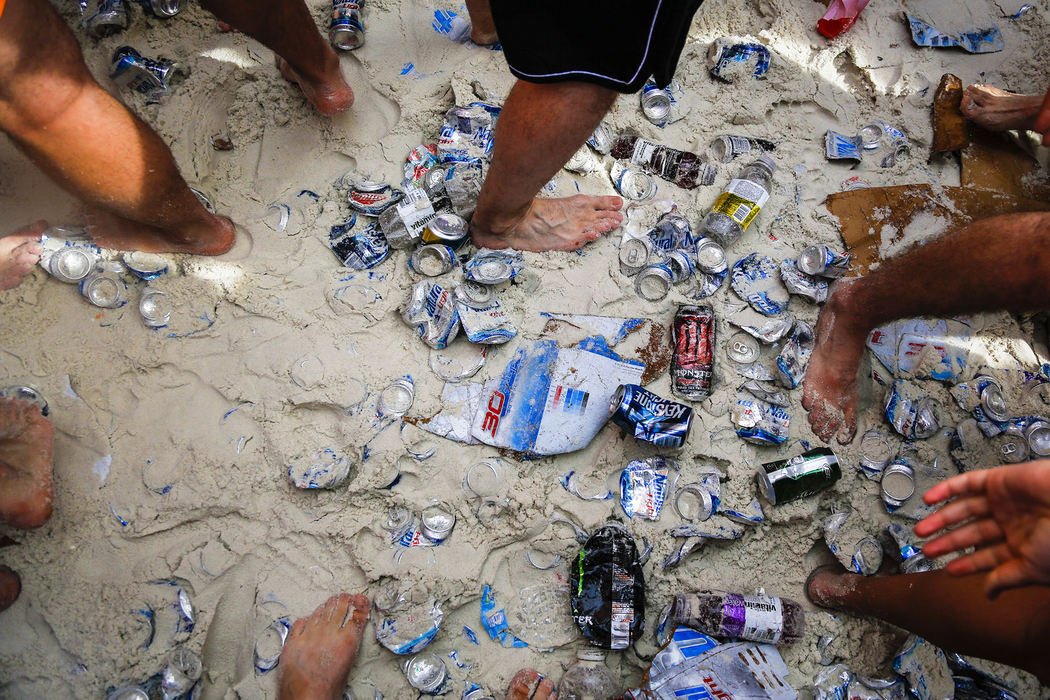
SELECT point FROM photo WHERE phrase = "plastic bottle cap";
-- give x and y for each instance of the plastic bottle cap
(768, 162)
(585, 654)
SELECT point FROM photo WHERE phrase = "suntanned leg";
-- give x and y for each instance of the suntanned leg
(10, 587)
(320, 649)
(26, 450)
(92, 145)
(951, 612)
(999, 110)
(18, 253)
(529, 685)
(998, 263)
(539, 129)
(482, 28)
(303, 55)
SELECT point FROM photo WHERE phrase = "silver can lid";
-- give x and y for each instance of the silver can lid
(635, 252)
(694, 497)
(103, 291)
(425, 672)
(636, 184)
(71, 264)
(155, 307)
(1038, 436)
(474, 295)
(898, 483)
(1011, 449)
(449, 227)
(396, 399)
(871, 135)
(711, 257)
(653, 283)
(742, 348)
(437, 523)
(993, 401)
(811, 260)
(656, 105)
(432, 260)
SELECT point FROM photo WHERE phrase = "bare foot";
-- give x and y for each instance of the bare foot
(528, 684)
(320, 649)
(26, 449)
(214, 236)
(483, 38)
(999, 110)
(10, 587)
(18, 253)
(551, 224)
(830, 388)
(829, 585)
(328, 92)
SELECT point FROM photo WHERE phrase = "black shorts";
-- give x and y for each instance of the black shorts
(617, 43)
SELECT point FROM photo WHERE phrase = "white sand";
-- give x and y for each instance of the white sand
(215, 411)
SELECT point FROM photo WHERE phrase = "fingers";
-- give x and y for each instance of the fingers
(980, 532)
(953, 514)
(1010, 574)
(984, 559)
(1042, 120)
(970, 482)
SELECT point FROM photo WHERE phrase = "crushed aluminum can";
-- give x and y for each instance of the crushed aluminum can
(146, 266)
(426, 673)
(602, 139)
(793, 359)
(150, 77)
(449, 229)
(373, 198)
(751, 515)
(155, 307)
(760, 422)
(105, 287)
(362, 249)
(433, 260)
(898, 484)
(432, 312)
(885, 142)
(650, 418)
(1010, 447)
(163, 8)
(802, 284)
(325, 469)
(494, 266)
(911, 558)
(755, 370)
(770, 396)
(108, 17)
(345, 31)
(993, 401)
(727, 147)
(633, 183)
(181, 673)
(875, 453)
(925, 669)
(644, 486)
(707, 494)
(654, 282)
(708, 283)
(437, 523)
(634, 255)
(467, 133)
(672, 232)
(681, 266)
(419, 160)
(742, 348)
(822, 261)
(27, 394)
(397, 398)
(842, 147)
(912, 418)
(989, 40)
(71, 263)
(710, 256)
(661, 105)
(754, 280)
(407, 630)
(483, 318)
(863, 556)
(463, 185)
(1037, 435)
(854, 183)
(728, 60)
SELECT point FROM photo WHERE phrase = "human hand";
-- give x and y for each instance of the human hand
(1042, 120)
(1005, 514)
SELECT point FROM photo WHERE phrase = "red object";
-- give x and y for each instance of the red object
(841, 15)
(692, 366)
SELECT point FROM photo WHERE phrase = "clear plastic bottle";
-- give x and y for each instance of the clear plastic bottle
(683, 168)
(403, 223)
(588, 678)
(757, 618)
(739, 204)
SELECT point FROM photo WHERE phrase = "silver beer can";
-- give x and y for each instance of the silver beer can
(105, 286)
(1037, 434)
(634, 255)
(72, 264)
(898, 484)
(654, 282)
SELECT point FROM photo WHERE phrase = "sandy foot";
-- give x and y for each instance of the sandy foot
(26, 449)
(329, 97)
(828, 585)
(553, 224)
(320, 649)
(528, 684)
(10, 587)
(830, 388)
(18, 253)
(999, 110)
(111, 231)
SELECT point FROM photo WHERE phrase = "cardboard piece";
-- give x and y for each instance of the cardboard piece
(994, 161)
(950, 130)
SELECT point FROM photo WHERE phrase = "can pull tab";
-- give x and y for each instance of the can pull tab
(581, 534)
(647, 549)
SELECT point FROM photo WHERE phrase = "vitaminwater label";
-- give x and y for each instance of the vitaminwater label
(741, 201)
(758, 618)
(643, 151)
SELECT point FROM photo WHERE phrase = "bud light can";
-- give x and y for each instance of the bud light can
(730, 60)
(692, 365)
(649, 418)
(345, 31)
(358, 250)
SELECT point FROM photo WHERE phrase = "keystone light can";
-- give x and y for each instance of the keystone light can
(649, 418)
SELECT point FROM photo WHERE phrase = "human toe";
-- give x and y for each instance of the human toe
(10, 587)
(524, 684)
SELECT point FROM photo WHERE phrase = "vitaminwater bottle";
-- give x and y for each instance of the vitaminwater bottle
(756, 618)
(737, 207)
(683, 168)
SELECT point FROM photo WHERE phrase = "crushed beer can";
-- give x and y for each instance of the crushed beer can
(754, 280)
(71, 263)
(842, 147)
(820, 260)
(692, 362)
(494, 266)
(644, 486)
(911, 558)
(105, 286)
(925, 669)
(463, 182)
(180, 674)
(418, 162)
(650, 418)
(632, 182)
(362, 249)
(707, 283)
(769, 395)
(988, 40)
(467, 132)
(483, 318)
(431, 310)
(654, 282)
(727, 147)
(769, 332)
(885, 142)
(150, 77)
(794, 357)
(875, 453)
(107, 17)
(155, 308)
(710, 256)
(912, 418)
(433, 260)
(345, 31)
(863, 556)
(1037, 435)
(700, 500)
(897, 484)
(802, 284)
(145, 266)
(799, 477)
(660, 105)
(672, 232)
(743, 349)
(325, 469)
(408, 629)
(759, 422)
(751, 514)
(729, 59)
(373, 198)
